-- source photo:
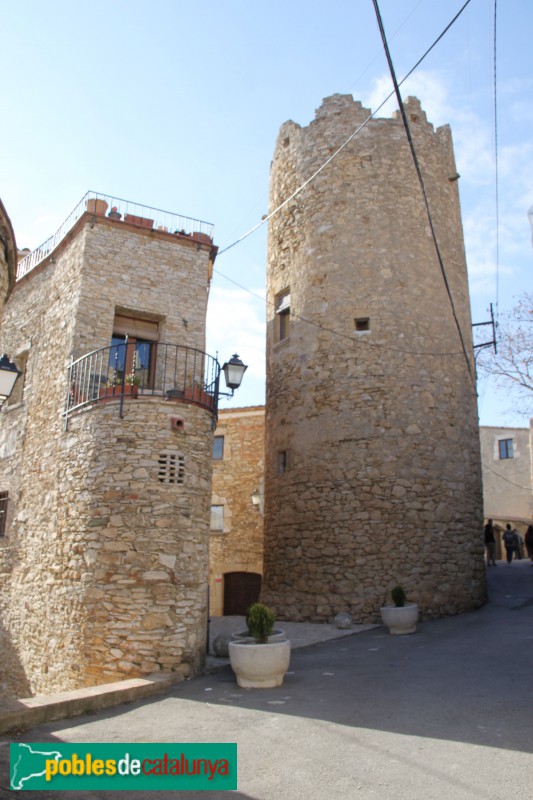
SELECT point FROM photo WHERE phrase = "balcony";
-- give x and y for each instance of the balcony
(131, 370)
(121, 211)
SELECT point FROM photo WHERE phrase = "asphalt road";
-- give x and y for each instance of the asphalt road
(445, 714)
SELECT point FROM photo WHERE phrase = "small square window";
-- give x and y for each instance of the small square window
(217, 518)
(505, 447)
(4, 497)
(362, 324)
(218, 448)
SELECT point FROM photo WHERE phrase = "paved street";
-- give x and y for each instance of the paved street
(446, 714)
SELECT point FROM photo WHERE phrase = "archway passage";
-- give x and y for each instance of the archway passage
(241, 589)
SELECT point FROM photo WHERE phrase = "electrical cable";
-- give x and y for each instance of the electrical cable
(312, 177)
(338, 333)
(422, 186)
(507, 480)
(497, 180)
(309, 180)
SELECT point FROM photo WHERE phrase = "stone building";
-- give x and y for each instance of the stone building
(506, 456)
(106, 450)
(236, 542)
(372, 463)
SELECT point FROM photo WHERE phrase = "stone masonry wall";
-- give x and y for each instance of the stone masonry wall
(239, 548)
(378, 427)
(142, 272)
(137, 545)
(104, 563)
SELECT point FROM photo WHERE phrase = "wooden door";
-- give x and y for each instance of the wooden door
(241, 589)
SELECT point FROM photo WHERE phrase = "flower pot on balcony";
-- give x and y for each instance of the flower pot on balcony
(198, 395)
(114, 392)
(97, 206)
(142, 222)
(202, 237)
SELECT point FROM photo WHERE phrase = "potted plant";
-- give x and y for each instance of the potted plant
(131, 384)
(258, 660)
(402, 617)
(97, 206)
(113, 388)
(197, 393)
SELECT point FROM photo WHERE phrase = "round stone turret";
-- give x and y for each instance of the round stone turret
(372, 474)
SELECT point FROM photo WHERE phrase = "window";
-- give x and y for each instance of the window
(218, 448)
(133, 349)
(283, 461)
(171, 468)
(362, 324)
(3, 512)
(506, 448)
(217, 518)
(283, 315)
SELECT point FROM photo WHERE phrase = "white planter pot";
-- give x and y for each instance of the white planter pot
(400, 619)
(259, 666)
(277, 635)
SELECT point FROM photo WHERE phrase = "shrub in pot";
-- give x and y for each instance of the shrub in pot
(258, 660)
(401, 618)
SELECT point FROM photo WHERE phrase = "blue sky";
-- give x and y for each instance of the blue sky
(177, 105)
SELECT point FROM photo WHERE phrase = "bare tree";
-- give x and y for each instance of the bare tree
(512, 366)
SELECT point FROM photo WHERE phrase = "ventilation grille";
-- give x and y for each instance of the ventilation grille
(171, 468)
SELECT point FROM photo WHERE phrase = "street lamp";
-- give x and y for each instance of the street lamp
(8, 375)
(233, 370)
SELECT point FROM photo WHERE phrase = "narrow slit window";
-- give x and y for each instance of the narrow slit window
(217, 518)
(4, 498)
(218, 448)
(283, 315)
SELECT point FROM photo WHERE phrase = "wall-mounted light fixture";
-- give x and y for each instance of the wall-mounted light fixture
(8, 375)
(234, 370)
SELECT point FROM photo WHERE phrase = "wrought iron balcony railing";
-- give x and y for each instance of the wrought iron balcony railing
(129, 370)
(118, 209)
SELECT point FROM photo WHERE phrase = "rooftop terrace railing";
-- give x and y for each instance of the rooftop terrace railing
(156, 369)
(116, 208)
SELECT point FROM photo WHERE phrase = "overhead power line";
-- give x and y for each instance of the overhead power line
(422, 186)
(310, 179)
(326, 163)
(497, 180)
(334, 332)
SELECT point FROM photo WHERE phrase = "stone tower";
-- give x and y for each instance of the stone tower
(372, 474)
(105, 486)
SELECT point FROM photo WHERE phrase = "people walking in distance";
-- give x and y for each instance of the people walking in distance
(490, 544)
(529, 543)
(519, 545)
(509, 541)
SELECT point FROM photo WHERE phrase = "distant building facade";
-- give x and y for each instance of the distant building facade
(236, 541)
(372, 462)
(506, 456)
